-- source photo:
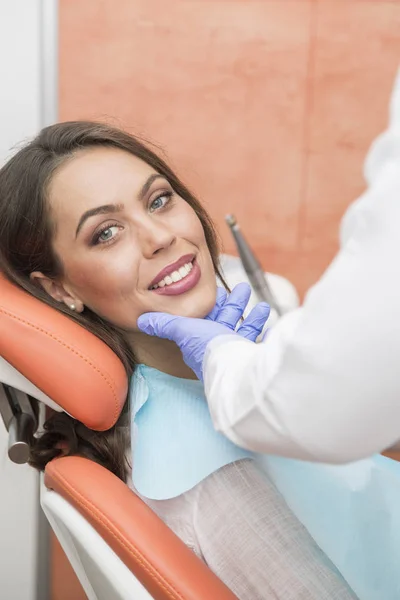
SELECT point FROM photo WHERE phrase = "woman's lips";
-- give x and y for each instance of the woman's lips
(182, 286)
(183, 260)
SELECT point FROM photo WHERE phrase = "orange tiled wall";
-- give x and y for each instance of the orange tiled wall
(266, 108)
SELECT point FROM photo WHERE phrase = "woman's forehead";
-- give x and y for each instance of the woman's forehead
(96, 176)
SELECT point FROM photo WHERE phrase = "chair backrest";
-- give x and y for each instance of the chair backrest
(47, 356)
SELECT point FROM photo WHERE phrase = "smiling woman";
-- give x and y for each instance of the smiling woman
(96, 225)
(104, 219)
(120, 230)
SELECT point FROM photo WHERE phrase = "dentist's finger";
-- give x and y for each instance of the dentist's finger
(254, 323)
(221, 297)
(234, 306)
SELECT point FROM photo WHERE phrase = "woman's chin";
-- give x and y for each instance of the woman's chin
(191, 308)
(192, 313)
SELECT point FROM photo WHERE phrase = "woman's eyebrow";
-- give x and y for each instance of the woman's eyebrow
(146, 186)
(99, 210)
(113, 208)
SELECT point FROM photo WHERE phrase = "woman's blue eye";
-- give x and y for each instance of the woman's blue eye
(160, 201)
(107, 234)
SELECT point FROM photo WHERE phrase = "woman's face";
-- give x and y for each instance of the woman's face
(127, 242)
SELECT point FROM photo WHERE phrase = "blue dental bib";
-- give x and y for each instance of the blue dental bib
(174, 443)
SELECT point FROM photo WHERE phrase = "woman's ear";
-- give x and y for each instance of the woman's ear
(57, 291)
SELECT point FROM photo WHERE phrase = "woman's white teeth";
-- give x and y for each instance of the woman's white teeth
(175, 276)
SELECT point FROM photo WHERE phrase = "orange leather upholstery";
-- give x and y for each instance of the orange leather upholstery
(152, 552)
(69, 364)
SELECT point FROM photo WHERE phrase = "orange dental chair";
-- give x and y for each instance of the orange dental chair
(119, 549)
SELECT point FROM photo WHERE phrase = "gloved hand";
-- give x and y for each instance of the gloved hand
(192, 336)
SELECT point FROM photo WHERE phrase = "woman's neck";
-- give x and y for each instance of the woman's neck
(163, 355)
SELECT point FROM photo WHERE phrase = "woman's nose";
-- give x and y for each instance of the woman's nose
(154, 237)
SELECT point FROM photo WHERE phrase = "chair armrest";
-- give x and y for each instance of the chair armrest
(155, 555)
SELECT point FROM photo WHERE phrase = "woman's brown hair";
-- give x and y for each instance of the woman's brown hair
(26, 246)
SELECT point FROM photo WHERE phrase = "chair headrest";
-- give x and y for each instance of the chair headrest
(64, 361)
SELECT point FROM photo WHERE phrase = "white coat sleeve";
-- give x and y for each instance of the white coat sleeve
(325, 384)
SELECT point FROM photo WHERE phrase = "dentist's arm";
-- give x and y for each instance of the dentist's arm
(325, 385)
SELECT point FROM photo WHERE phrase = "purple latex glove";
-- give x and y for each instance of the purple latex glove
(192, 336)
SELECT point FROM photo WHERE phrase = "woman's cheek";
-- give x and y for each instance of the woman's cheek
(114, 278)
